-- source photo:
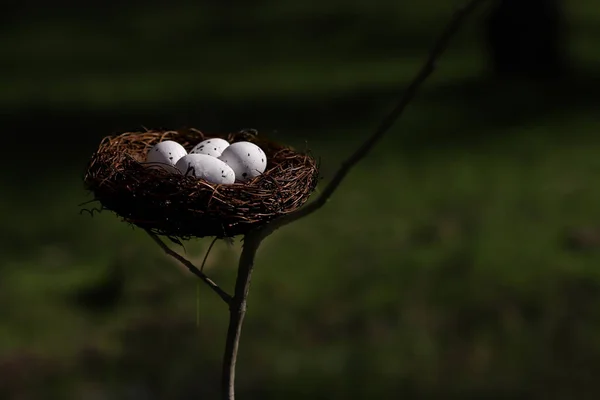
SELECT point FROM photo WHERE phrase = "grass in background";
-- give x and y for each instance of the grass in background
(447, 270)
(459, 259)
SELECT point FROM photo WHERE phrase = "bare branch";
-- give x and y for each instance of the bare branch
(222, 294)
(237, 311)
(425, 71)
(237, 303)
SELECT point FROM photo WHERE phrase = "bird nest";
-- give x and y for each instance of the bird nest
(179, 206)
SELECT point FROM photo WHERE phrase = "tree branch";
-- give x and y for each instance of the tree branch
(409, 94)
(237, 311)
(226, 297)
(252, 240)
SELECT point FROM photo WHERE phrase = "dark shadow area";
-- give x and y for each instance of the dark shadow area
(527, 38)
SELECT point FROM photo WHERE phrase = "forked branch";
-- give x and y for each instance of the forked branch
(252, 241)
(226, 297)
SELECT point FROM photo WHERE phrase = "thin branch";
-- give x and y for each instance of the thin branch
(425, 71)
(237, 311)
(226, 297)
(207, 254)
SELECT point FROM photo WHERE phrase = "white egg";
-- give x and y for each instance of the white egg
(165, 154)
(246, 159)
(213, 147)
(206, 167)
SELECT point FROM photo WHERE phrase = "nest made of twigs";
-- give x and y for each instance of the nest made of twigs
(179, 206)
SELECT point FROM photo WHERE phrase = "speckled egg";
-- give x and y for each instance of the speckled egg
(206, 167)
(246, 159)
(212, 147)
(165, 154)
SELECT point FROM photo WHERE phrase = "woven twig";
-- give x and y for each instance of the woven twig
(174, 205)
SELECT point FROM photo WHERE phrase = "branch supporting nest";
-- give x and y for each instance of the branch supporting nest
(252, 243)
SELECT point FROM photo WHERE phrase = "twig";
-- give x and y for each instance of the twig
(237, 311)
(226, 297)
(409, 94)
(207, 254)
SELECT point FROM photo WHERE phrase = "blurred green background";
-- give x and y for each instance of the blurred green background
(459, 260)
